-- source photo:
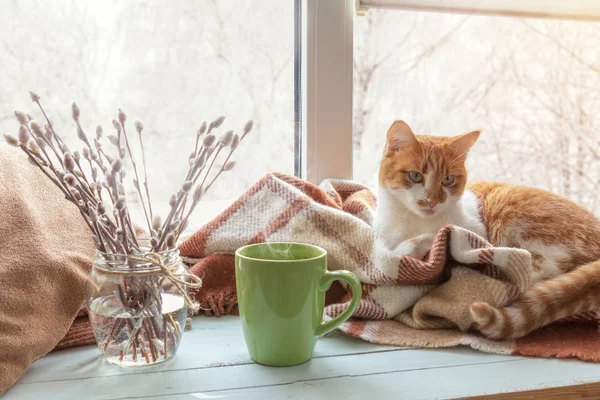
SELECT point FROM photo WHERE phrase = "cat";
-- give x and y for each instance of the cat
(423, 186)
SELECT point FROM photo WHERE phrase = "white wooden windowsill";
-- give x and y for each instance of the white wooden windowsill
(212, 362)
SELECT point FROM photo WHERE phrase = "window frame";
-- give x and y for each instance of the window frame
(579, 10)
(324, 121)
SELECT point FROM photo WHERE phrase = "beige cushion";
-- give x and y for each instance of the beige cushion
(46, 251)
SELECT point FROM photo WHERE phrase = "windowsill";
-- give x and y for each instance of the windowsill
(212, 362)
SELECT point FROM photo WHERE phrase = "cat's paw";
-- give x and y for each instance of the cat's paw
(416, 247)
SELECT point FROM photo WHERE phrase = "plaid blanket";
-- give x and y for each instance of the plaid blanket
(415, 296)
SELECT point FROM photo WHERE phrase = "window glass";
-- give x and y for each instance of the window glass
(171, 64)
(533, 86)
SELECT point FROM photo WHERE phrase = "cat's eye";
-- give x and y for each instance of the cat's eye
(449, 180)
(415, 177)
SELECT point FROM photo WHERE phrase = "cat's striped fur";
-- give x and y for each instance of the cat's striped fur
(563, 237)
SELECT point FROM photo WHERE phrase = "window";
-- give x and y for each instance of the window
(532, 85)
(170, 64)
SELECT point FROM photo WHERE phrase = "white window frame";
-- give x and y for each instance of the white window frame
(586, 10)
(326, 115)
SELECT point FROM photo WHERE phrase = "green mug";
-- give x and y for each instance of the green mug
(281, 295)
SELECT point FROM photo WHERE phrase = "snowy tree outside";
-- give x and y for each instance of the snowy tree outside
(533, 86)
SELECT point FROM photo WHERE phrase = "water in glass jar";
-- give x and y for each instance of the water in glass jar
(138, 337)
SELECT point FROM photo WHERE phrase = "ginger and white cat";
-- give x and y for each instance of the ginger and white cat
(423, 186)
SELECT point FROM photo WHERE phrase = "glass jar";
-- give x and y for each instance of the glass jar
(137, 314)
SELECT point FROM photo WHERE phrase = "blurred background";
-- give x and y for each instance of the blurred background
(533, 86)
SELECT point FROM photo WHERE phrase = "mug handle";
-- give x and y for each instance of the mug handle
(326, 281)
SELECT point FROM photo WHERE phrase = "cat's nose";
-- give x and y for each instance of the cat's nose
(432, 203)
(427, 203)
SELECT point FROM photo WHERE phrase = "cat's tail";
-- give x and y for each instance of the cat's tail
(551, 300)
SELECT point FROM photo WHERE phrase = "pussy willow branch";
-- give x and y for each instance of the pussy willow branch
(66, 171)
(36, 99)
(81, 170)
(42, 147)
(221, 170)
(194, 173)
(43, 137)
(185, 220)
(201, 186)
(146, 186)
(165, 231)
(86, 199)
(200, 134)
(57, 183)
(122, 120)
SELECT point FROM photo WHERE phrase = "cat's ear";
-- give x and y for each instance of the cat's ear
(399, 136)
(463, 143)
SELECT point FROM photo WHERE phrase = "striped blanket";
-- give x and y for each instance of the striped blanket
(409, 299)
(413, 298)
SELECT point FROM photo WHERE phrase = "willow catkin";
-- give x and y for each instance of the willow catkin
(226, 138)
(170, 241)
(248, 127)
(209, 140)
(33, 147)
(122, 117)
(21, 117)
(34, 96)
(75, 112)
(139, 127)
(70, 179)
(156, 222)
(200, 160)
(81, 135)
(198, 192)
(64, 148)
(40, 142)
(11, 140)
(187, 186)
(218, 122)
(235, 142)
(93, 215)
(68, 162)
(117, 166)
(120, 203)
(229, 166)
(23, 135)
(202, 129)
(48, 132)
(116, 125)
(35, 127)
